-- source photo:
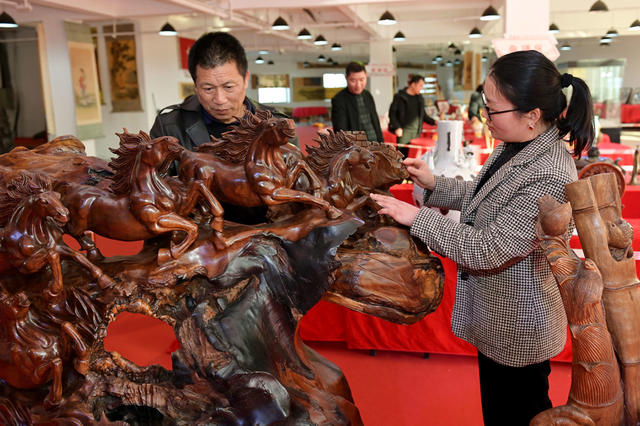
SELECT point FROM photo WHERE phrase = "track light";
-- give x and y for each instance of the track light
(167, 30)
(279, 24)
(387, 19)
(490, 14)
(319, 41)
(475, 33)
(612, 33)
(635, 25)
(553, 28)
(6, 21)
(565, 46)
(304, 34)
(336, 46)
(321, 58)
(599, 6)
(399, 36)
(259, 60)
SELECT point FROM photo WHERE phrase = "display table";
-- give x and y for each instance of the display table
(629, 113)
(302, 112)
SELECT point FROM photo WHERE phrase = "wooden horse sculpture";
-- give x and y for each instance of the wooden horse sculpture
(247, 165)
(32, 215)
(140, 204)
(33, 350)
(353, 168)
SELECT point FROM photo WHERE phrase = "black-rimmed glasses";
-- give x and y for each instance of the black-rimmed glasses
(489, 112)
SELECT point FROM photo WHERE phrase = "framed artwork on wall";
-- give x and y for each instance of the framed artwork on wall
(123, 73)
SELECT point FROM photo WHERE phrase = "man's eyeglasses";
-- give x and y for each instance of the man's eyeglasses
(489, 112)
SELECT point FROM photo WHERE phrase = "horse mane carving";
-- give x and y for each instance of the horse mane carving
(233, 145)
(127, 154)
(386, 150)
(20, 187)
(330, 145)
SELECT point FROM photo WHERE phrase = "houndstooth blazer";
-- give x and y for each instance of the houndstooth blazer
(507, 302)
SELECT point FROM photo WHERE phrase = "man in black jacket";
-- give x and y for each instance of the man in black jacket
(218, 66)
(353, 108)
(406, 113)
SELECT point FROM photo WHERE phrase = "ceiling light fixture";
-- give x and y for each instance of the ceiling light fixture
(490, 14)
(449, 63)
(605, 39)
(399, 36)
(598, 6)
(635, 25)
(387, 19)
(553, 28)
(321, 58)
(475, 33)
(167, 30)
(306, 64)
(263, 52)
(336, 46)
(6, 21)
(612, 33)
(319, 41)
(279, 24)
(438, 58)
(259, 60)
(565, 46)
(484, 59)
(434, 61)
(457, 52)
(304, 34)
(270, 63)
(457, 61)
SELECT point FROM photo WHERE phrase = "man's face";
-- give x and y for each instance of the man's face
(417, 86)
(221, 91)
(356, 81)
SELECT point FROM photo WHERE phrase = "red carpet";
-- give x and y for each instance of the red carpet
(391, 388)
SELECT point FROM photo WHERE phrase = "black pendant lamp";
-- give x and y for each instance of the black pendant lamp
(399, 36)
(6, 21)
(490, 14)
(553, 28)
(320, 40)
(167, 30)
(387, 19)
(475, 33)
(598, 6)
(279, 24)
(635, 25)
(304, 34)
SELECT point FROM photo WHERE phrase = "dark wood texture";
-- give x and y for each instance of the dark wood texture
(232, 293)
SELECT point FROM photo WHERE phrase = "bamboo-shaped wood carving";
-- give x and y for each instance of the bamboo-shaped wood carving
(596, 396)
(607, 240)
(633, 180)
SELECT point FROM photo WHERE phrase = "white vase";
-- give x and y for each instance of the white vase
(449, 158)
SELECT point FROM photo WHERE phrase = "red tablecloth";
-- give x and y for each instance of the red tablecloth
(309, 111)
(630, 113)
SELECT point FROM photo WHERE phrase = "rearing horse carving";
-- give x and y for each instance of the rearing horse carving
(140, 204)
(353, 167)
(254, 165)
(31, 217)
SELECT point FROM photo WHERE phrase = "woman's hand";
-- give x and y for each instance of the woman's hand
(399, 132)
(403, 213)
(420, 173)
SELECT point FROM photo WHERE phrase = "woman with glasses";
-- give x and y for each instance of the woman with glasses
(507, 302)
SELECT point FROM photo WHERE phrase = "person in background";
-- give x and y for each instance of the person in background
(218, 66)
(475, 104)
(353, 107)
(507, 302)
(406, 113)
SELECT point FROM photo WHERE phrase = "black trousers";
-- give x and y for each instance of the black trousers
(512, 395)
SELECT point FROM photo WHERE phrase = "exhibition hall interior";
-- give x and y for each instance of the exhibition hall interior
(163, 310)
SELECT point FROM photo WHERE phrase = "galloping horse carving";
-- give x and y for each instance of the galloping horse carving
(34, 350)
(247, 165)
(346, 160)
(31, 217)
(141, 203)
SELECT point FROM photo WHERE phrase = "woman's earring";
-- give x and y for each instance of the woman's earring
(530, 126)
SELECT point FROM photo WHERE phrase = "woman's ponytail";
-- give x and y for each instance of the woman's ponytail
(578, 120)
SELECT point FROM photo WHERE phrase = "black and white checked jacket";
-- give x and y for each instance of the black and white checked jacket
(507, 302)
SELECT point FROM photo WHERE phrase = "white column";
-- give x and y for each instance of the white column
(381, 76)
(526, 28)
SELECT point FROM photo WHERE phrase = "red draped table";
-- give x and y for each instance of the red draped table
(630, 113)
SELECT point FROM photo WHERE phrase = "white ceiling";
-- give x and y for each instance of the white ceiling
(429, 25)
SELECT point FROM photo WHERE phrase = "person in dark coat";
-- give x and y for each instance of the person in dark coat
(353, 107)
(406, 113)
(475, 104)
(218, 66)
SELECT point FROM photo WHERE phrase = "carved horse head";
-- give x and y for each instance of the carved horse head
(14, 307)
